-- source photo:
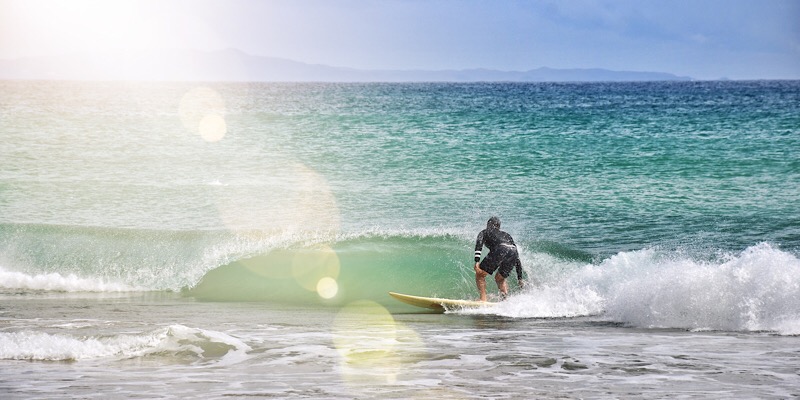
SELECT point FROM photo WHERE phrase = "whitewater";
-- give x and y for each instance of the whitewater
(214, 240)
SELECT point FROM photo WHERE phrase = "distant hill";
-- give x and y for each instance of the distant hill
(236, 66)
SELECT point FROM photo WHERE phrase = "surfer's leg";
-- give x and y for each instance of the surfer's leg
(502, 285)
(480, 281)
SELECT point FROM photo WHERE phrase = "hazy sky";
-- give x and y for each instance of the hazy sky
(738, 39)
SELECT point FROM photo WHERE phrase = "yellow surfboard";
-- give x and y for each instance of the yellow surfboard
(438, 304)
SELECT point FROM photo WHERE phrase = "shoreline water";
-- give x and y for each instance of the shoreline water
(172, 346)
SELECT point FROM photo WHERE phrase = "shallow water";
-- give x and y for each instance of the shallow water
(157, 345)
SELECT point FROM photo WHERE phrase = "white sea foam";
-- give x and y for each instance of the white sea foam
(552, 302)
(756, 290)
(58, 282)
(175, 340)
(28, 345)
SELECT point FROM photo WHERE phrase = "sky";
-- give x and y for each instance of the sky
(703, 39)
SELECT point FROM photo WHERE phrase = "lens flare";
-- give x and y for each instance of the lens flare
(202, 112)
(274, 265)
(374, 348)
(289, 201)
(212, 128)
(314, 204)
(310, 266)
(327, 288)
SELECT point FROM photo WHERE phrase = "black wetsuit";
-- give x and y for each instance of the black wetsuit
(502, 253)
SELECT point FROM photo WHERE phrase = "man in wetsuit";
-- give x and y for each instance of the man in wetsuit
(502, 255)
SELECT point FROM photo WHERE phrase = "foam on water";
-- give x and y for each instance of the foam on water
(57, 282)
(176, 340)
(756, 290)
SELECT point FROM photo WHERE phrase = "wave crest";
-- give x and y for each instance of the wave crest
(59, 283)
(756, 290)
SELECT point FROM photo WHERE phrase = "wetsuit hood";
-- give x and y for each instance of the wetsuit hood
(493, 223)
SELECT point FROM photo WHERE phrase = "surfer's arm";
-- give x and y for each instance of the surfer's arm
(478, 247)
(518, 267)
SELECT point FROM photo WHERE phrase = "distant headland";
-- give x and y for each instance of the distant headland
(236, 66)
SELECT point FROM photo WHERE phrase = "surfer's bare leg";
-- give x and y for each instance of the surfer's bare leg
(501, 284)
(480, 280)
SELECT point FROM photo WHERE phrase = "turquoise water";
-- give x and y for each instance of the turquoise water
(116, 175)
(637, 207)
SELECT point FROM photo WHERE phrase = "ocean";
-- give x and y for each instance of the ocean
(215, 240)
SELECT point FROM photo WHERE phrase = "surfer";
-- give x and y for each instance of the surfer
(502, 255)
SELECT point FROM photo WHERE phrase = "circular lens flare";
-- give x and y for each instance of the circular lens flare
(311, 266)
(212, 128)
(375, 349)
(202, 112)
(327, 288)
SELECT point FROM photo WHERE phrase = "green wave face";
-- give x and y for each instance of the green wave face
(344, 272)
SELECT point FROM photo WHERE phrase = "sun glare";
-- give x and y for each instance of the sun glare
(83, 26)
(49, 27)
